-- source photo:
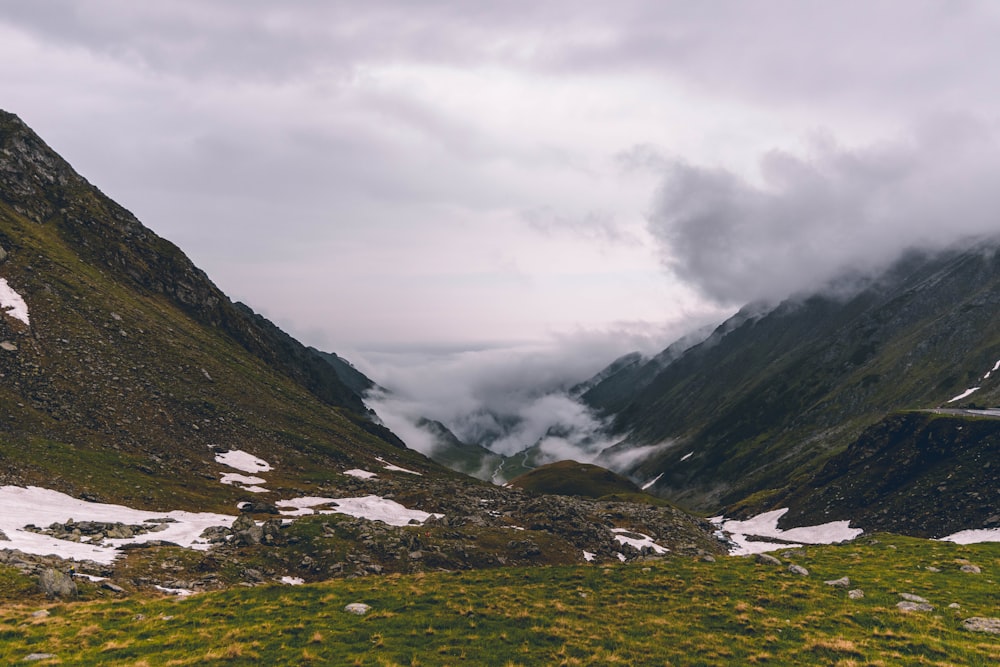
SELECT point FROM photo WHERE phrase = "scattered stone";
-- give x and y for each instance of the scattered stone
(912, 598)
(843, 582)
(766, 559)
(41, 613)
(57, 584)
(954, 605)
(708, 558)
(905, 605)
(855, 594)
(982, 624)
(971, 569)
(114, 588)
(9, 346)
(931, 568)
(358, 608)
(798, 569)
(35, 657)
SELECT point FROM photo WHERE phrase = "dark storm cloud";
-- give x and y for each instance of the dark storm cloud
(835, 210)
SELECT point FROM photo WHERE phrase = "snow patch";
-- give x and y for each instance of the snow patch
(236, 478)
(624, 536)
(996, 367)
(292, 581)
(965, 393)
(179, 592)
(242, 461)
(652, 481)
(373, 508)
(687, 456)
(12, 303)
(361, 474)
(766, 525)
(974, 536)
(589, 557)
(42, 507)
(389, 466)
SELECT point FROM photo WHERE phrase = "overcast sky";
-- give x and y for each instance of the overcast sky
(468, 174)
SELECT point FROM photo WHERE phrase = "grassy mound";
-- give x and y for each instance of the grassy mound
(570, 478)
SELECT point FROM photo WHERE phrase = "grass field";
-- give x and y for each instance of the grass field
(669, 612)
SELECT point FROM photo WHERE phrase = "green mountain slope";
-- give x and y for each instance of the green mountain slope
(135, 366)
(759, 406)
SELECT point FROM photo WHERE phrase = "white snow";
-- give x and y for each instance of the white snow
(236, 478)
(766, 525)
(965, 393)
(242, 461)
(974, 536)
(687, 456)
(587, 556)
(996, 367)
(373, 508)
(12, 303)
(389, 466)
(621, 556)
(638, 543)
(89, 577)
(42, 507)
(362, 474)
(292, 581)
(179, 592)
(652, 481)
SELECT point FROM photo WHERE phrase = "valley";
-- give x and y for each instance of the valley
(159, 440)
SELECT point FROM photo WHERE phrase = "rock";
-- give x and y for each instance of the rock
(954, 605)
(358, 608)
(931, 568)
(855, 594)
(3, 255)
(912, 598)
(243, 522)
(114, 588)
(57, 584)
(843, 582)
(260, 507)
(708, 558)
(971, 569)
(41, 613)
(798, 569)
(3, 537)
(982, 624)
(905, 605)
(35, 657)
(766, 559)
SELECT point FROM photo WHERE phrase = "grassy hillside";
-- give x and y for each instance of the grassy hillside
(690, 612)
(570, 478)
(135, 367)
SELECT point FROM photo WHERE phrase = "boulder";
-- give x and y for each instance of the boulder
(57, 584)
(982, 624)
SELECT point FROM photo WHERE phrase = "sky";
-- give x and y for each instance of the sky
(560, 181)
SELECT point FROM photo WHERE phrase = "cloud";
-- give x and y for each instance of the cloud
(828, 211)
(507, 398)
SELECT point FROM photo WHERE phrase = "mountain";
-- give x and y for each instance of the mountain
(758, 408)
(135, 366)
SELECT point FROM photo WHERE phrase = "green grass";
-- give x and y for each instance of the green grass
(679, 611)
